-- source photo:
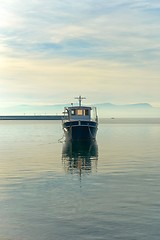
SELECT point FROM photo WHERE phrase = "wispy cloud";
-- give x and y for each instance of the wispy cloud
(71, 28)
(109, 49)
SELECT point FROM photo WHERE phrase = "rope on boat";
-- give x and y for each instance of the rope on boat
(90, 132)
(61, 139)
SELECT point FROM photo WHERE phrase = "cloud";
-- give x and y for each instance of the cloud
(106, 49)
(45, 80)
(109, 30)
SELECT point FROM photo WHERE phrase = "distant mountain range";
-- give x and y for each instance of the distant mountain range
(128, 110)
(135, 105)
(104, 110)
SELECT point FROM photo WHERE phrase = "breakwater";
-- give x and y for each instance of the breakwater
(32, 117)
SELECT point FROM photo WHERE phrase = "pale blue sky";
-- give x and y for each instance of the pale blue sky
(52, 51)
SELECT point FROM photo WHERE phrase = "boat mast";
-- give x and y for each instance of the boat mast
(80, 99)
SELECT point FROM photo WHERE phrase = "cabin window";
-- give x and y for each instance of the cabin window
(73, 112)
(79, 112)
(86, 112)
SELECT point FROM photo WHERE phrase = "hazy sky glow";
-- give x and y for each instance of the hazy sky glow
(52, 51)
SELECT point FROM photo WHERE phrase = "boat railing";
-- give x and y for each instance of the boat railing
(94, 116)
(65, 116)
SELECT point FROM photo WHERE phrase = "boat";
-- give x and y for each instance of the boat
(80, 123)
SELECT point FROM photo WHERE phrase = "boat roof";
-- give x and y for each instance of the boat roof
(79, 107)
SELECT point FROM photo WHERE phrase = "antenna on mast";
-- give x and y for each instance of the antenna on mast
(80, 99)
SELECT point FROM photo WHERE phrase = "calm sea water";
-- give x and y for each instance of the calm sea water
(107, 190)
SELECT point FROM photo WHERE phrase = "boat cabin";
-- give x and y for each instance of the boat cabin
(79, 113)
(80, 123)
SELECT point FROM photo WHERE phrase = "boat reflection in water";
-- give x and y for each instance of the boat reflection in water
(80, 157)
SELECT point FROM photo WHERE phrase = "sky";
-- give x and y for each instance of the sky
(52, 51)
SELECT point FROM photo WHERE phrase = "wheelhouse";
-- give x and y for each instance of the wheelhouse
(79, 113)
